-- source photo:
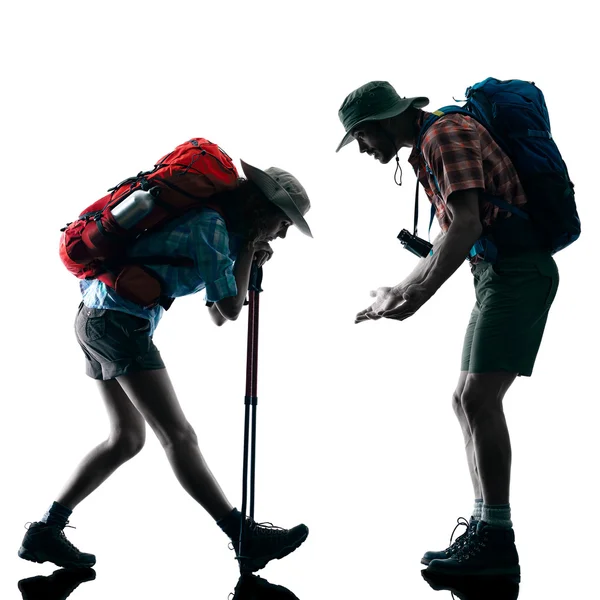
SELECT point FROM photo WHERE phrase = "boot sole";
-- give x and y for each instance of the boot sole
(450, 587)
(491, 571)
(36, 558)
(256, 564)
(426, 561)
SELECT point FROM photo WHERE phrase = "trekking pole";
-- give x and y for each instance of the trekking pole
(251, 399)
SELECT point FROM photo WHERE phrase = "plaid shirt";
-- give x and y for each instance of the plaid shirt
(201, 236)
(462, 155)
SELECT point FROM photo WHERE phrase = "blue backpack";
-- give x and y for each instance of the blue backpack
(514, 113)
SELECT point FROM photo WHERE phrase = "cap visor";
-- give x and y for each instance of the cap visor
(399, 107)
(345, 141)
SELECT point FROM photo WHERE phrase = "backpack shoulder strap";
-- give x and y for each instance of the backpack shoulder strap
(488, 250)
(445, 110)
(426, 125)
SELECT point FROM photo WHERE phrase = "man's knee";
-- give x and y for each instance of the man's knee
(483, 394)
(457, 403)
(457, 395)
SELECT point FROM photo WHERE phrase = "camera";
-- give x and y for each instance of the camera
(414, 244)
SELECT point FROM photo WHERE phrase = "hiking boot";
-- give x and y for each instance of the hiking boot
(460, 541)
(488, 551)
(253, 587)
(44, 542)
(264, 542)
(57, 586)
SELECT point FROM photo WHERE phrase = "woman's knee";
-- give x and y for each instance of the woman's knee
(178, 434)
(128, 442)
(154, 396)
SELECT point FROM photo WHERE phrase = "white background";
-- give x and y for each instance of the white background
(356, 437)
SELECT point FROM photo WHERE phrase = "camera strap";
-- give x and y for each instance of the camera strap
(432, 216)
(416, 209)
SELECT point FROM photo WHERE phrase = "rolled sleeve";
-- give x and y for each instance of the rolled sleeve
(221, 288)
(212, 256)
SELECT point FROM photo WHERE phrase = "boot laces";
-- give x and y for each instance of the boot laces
(262, 529)
(63, 539)
(265, 529)
(473, 546)
(460, 540)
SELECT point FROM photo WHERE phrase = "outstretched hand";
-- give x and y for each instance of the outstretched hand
(385, 299)
(413, 297)
(394, 303)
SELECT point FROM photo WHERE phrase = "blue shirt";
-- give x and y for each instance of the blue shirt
(199, 235)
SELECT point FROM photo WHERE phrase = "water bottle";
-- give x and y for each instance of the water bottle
(134, 208)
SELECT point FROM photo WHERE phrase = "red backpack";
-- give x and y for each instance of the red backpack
(93, 246)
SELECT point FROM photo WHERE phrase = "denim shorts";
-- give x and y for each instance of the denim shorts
(513, 297)
(115, 343)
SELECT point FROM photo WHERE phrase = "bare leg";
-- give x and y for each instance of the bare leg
(468, 436)
(126, 439)
(153, 395)
(482, 403)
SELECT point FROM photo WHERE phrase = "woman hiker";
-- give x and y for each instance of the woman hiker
(115, 335)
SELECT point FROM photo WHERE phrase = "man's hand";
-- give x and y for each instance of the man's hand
(386, 298)
(399, 302)
(414, 297)
(262, 252)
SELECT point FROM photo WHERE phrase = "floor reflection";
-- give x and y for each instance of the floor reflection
(57, 586)
(252, 587)
(475, 587)
(63, 582)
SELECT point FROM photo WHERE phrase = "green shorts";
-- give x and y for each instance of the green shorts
(513, 297)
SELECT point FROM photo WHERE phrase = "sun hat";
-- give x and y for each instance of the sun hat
(283, 190)
(371, 102)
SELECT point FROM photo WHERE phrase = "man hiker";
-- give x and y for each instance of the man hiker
(115, 335)
(459, 165)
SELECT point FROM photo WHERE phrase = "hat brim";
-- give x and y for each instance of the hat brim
(399, 107)
(277, 195)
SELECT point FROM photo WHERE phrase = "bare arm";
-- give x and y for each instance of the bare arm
(387, 298)
(423, 266)
(452, 249)
(230, 308)
(449, 252)
(217, 318)
(258, 252)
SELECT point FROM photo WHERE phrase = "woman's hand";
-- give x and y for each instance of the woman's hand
(262, 252)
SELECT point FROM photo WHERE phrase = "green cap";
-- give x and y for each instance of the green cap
(371, 102)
